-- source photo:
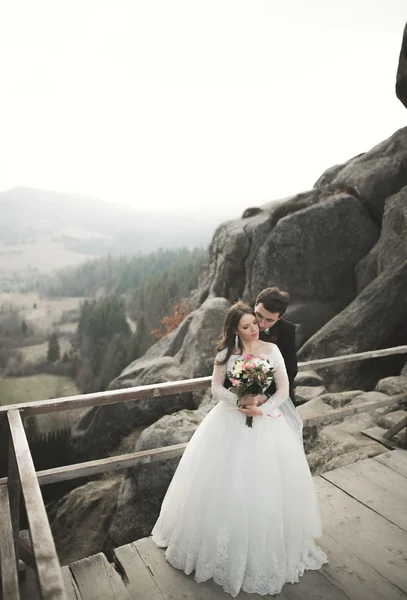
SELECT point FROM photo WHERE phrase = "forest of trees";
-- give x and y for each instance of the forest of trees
(127, 274)
(103, 343)
(149, 285)
(152, 290)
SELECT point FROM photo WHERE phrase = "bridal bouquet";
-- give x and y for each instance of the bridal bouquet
(250, 375)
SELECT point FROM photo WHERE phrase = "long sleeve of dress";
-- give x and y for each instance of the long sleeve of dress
(218, 379)
(281, 380)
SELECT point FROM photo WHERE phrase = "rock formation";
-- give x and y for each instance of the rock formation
(340, 250)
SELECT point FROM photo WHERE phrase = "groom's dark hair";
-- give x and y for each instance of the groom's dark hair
(273, 300)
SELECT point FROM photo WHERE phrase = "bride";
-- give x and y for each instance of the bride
(241, 507)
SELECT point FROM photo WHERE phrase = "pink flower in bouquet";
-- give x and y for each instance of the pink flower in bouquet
(250, 375)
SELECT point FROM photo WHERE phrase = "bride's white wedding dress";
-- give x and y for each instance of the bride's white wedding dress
(241, 507)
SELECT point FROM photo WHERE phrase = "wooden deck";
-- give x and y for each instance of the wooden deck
(364, 511)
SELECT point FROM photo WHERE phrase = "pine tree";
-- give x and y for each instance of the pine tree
(54, 351)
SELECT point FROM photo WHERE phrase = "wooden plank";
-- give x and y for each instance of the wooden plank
(396, 460)
(48, 568)
(377, 486)
(313, 586)
(353, 576)
(322, 363)
(70, 585)
(137, 578)
(9, 574)
(113, 463)
(97, 579)
(170, 388)
(376, 434)
(364, 533)
(352, 410)
(156, 390)
(395, 429)
(174, 584)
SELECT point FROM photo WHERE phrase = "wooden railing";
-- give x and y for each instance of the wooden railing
(22, 479)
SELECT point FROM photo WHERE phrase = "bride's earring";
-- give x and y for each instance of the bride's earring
(236, 342)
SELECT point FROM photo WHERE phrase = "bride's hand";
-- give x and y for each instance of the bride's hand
(259, 399)
(248, 400)
(251, 411)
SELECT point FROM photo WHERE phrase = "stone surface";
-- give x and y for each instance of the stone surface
(401, 80)
(365, 323)
(308, 378)
(342, 443)
(340, 399)
(313, 253)
(375, 175)
(80, 520)
(393, 386)
(197, 353)
(310, 316)
(306, 393)
(391, 249)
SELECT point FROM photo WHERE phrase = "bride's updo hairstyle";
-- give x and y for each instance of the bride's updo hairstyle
(230, 325)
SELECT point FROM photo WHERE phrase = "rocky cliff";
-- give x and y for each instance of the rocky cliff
(340, 250)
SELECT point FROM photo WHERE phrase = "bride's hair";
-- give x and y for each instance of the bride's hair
(230, 325)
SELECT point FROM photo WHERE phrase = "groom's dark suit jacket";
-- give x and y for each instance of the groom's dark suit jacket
(283, 335)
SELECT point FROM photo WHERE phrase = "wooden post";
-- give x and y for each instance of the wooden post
(9, 567)
(48, 568)
(14, 492)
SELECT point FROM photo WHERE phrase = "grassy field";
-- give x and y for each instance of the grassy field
(37, 353)
(43, 313)
(14, 390)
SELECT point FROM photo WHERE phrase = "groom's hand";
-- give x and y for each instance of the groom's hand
(251, 411)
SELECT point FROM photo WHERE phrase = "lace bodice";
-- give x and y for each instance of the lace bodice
(273, 354)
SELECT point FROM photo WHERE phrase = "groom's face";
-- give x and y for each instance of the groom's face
(265, 318)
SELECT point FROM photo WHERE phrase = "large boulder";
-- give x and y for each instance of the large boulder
(169, 345)
(80, 520)
(234, 247)
(311, 315)
(310, 378)
(393, 386)
(373, 176)
(391, 249)
(367, 321)
(401, 80)
(312, 253)
(308, 244)
(305, 393)
(197, 353)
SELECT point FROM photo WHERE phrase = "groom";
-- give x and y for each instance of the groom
(270, 307)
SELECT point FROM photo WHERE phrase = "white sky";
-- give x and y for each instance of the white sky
(220, 104)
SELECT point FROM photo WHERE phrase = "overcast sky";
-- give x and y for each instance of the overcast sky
(220, 103)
